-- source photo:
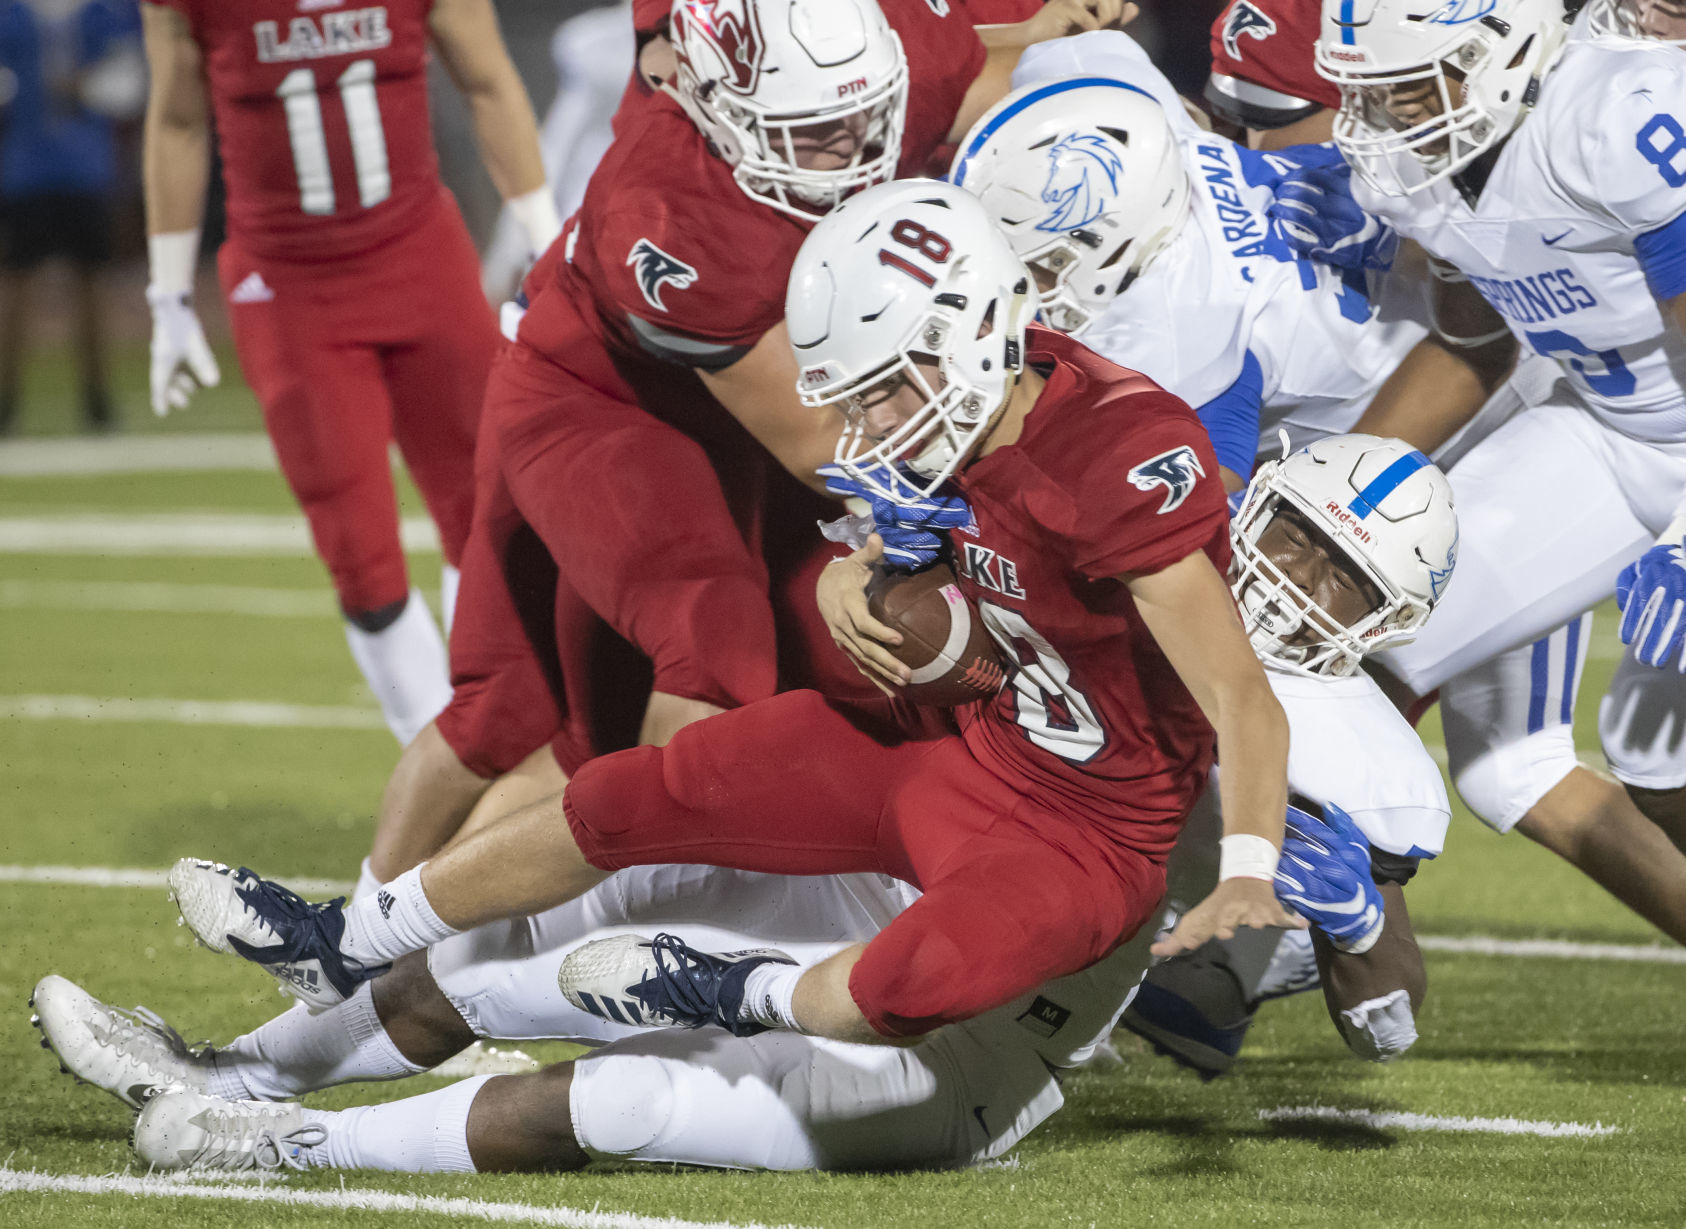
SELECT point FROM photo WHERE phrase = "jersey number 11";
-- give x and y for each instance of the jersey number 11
(298, 95)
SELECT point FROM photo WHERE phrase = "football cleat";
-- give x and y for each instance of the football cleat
(234, 912)
(1192, 1009)
(660, 982)
(133, 1055)
(1292, 968)
(179, 1129)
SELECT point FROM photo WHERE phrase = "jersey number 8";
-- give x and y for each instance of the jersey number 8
(1669, 157)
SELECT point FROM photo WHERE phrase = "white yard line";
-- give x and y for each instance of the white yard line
(1555, 949)
(135, 877)
(251, 713)
(346, 1199)
(1382, 1120)
(178, 533)
(136, 454)
(167, 598)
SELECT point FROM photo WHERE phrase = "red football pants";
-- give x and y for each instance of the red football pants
(1014, 894)
(346, 357)
(611, 554)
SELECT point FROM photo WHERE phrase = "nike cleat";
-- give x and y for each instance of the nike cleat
(296, 942)
(1292, 968)
(661, 982)
(133, 1055)
(188, 1130)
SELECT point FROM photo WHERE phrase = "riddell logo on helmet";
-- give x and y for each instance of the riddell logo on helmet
(1345, 517)
(1350, 57)
(851, 87)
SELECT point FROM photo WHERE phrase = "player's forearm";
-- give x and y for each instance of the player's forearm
(1434, 392)
(175, 172)
(508, 135)
(1253, 752)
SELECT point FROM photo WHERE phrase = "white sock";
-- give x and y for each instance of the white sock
(425, 1134)
(298, 1052)
(394, 921)
(769, 995)
(406, 667)
(367, 883)
(450, 580)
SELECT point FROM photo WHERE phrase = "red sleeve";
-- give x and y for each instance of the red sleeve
(650, 17)
(944, 57)
(1263, 70)
(1001, 12)
(1153, 498)
(184, 7)
(706, 268)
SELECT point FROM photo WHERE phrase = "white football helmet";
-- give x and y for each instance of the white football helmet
(909, 268)
(1382, 503)
(1470, 68)
(1663, 21)
(1086, 179)
(752, 74)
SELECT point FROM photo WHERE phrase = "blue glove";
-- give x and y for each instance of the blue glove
(1652, 595)
(1324, 876)
(1317, 215)
(909, 524)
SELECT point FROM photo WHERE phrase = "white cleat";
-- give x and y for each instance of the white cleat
(188, 1130)
(133, 1055)
(235, 912)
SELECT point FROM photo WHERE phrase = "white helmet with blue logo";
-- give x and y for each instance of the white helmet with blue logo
(1386, 507)
(1441, 80)
(1085, 177)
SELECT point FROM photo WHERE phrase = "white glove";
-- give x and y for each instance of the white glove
(182, 362)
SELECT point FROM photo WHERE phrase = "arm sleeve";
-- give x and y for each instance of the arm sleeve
(1232, 418)
(1154, 497)
(682, 282)
(1631, 164)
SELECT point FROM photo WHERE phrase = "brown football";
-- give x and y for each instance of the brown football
(944, 641)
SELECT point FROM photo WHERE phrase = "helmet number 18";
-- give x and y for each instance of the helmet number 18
(928, 243)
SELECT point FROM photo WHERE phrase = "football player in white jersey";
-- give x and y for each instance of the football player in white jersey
(1550, 173)
(779, 1100)
(1121, 204)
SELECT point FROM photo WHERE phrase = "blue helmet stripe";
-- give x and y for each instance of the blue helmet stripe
(1384, 483)
(1347, 36)
(1053, 88)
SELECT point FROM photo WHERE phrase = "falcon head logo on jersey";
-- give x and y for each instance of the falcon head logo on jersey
(655, 269)
(1083, 175)
(1245, 18)
(732, 29)
(1176, 471)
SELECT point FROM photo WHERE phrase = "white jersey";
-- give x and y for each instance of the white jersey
(1600, 161)
(1226, 301)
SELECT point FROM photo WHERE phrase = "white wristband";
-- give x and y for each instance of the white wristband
(1244, 856)
(536, 211)
(172, 258)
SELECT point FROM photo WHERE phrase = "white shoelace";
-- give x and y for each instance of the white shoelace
(238, 1137)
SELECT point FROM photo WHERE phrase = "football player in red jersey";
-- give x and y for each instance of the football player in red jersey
(1263, 80)
(351, 282)
(633, 433)
(1037, 830)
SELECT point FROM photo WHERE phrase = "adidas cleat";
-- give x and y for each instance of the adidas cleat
(188, 1130)
(661, 982)
(234, 912)
(133, 1055)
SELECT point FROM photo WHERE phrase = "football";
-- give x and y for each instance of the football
(944, 641)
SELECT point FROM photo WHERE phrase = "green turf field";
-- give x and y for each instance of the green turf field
(1548, 1040)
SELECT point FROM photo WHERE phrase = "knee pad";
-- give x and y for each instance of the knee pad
(1380, 1030)
(1508, 723)
(621, 1103)
(1642, 723)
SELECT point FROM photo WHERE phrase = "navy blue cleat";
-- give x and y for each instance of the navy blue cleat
(297, 942)
(1192, 1009)
(661, 982)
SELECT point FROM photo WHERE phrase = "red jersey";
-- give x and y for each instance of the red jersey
(669, 262)
(322, 120)
(1263, 73)
(1113, 476)
(1001, 12)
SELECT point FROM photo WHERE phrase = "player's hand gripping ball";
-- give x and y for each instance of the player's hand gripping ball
(944, 641)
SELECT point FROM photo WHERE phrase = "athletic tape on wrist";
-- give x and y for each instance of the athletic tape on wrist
(1245, 856)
